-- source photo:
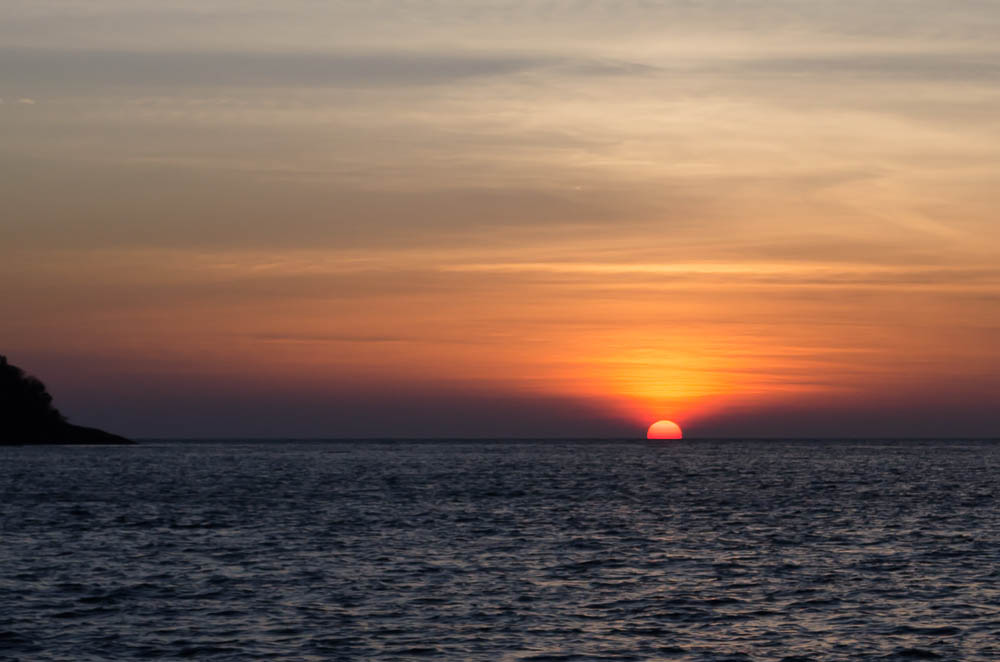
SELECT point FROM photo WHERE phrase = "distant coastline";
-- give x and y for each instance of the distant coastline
(66, 435)
(28, 418)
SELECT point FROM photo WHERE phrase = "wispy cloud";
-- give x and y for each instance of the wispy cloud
(971, 66)
(789, 273)
(80, 69)
(330, 338)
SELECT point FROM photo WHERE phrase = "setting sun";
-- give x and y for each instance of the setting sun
(664, 430)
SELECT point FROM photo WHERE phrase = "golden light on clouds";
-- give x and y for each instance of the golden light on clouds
(679, 210)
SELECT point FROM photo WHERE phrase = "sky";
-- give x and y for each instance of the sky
(567, 218)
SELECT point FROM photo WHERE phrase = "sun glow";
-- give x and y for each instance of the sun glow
(664, 430)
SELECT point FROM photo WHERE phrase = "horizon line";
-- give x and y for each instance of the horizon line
(576, 438)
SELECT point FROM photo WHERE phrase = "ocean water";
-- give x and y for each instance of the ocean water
(501, 550)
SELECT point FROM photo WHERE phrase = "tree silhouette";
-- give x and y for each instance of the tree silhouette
(26, 409)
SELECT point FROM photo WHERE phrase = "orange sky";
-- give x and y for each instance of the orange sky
(573, 218)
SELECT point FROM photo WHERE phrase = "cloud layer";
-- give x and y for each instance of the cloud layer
(723, 212)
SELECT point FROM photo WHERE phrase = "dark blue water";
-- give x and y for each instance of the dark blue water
(501, 551)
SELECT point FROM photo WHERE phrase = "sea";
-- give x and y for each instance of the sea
(502, 550)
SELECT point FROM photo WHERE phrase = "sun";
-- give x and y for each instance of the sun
(664, 430)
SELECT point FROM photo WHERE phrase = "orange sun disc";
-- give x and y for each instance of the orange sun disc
(664, 430)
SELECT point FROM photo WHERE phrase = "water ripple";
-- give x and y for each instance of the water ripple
(777, 551)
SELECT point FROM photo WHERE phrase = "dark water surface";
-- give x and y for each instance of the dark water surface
(501, 551)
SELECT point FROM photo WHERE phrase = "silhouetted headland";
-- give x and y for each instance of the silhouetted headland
(28, 417)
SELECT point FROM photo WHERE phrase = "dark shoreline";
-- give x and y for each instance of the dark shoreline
(69, 435)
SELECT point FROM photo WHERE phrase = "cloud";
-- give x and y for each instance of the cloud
(975, 66)
(331, 338)
(67, 69)
(77, 69)
(789, 273)
(26, 101)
